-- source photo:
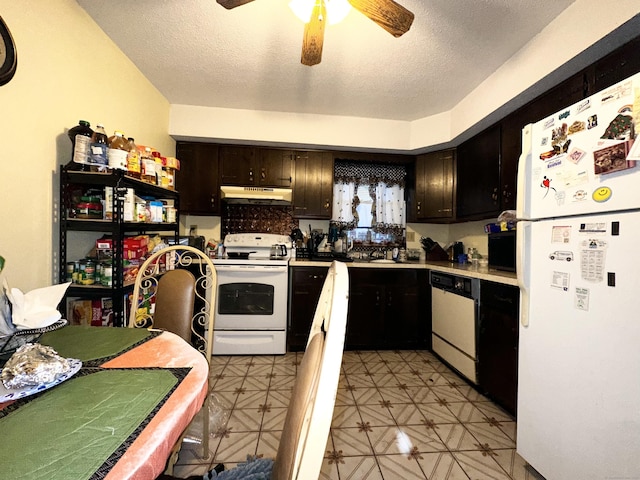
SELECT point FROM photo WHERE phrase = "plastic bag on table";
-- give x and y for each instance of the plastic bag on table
(219, 412)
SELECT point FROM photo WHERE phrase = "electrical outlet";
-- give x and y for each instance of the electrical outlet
(411, 236)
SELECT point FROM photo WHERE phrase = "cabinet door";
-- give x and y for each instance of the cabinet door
(615, 67)
(510, 150)
(434, 186)
(365, 317)
(198, 178)
(498, 343)
(404, 309)
(238, 165)
(478, 175)
(305, 288)
(275, 168)
(313, 185)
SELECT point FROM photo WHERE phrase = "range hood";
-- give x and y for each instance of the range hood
(256, 195)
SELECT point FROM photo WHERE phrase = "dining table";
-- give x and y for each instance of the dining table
(118, 417)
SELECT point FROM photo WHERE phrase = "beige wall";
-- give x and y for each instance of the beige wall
(68, 69)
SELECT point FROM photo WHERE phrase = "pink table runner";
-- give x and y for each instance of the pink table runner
(147, 456)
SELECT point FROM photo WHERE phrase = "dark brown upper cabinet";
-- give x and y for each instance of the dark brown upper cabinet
(255, 167)
(237, 165)
(478, 175)
(313, 185)
(198, 178)
(434, 198)
(275, 168)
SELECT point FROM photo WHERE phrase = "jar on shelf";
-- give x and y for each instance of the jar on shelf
(118, 151)
(133, 159)
(148, 164)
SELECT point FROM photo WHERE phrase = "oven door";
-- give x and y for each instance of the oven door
(251, 297)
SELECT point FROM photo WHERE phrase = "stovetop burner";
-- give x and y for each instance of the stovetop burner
(254, 248)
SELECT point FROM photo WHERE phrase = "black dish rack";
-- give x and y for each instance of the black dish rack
(10, 343)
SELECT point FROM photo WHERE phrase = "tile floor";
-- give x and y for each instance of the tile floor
(455, 433)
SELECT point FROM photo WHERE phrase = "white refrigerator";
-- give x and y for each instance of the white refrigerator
(578, 267)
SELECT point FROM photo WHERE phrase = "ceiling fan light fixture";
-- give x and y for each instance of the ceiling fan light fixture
(337, 10)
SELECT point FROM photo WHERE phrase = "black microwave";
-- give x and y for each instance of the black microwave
(502, 250)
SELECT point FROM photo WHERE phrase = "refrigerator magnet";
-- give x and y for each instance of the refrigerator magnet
(8, 55)
(560, 280)
(601, 194)
(581, 300)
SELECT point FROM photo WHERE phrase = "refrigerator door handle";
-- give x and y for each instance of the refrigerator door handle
(523, 268)
(523, 189)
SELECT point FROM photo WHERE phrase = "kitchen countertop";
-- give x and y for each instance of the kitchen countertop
(468, 270)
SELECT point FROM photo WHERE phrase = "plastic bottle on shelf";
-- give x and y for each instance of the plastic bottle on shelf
(80, 136)
(148, 166)
(133, 159)
(99, 145)
(158, 167)
(165, 182)
(118, 150)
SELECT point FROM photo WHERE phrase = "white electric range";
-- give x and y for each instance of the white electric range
(252, 285)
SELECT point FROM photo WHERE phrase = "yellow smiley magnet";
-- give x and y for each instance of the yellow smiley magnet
(601, 194)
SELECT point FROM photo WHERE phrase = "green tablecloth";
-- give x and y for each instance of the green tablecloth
(93, 343)
(68, 432)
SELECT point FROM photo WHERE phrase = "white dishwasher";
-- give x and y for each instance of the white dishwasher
(454, 309)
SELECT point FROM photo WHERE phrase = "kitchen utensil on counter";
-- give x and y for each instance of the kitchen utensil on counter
(278, 251)
(296, 234)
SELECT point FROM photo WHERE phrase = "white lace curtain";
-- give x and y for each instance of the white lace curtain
(386, 189)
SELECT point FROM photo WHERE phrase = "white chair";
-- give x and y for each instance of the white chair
(306, 426)
(175, 290)
(310, 411)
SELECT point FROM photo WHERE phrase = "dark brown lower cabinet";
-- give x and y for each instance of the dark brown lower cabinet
(388, 307)
(304, 291)
(498, 343)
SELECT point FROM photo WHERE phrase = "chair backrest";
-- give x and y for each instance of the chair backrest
(174, 303)
(309, 415)
(164, 291)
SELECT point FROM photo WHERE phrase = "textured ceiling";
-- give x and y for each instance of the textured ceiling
(198, 53)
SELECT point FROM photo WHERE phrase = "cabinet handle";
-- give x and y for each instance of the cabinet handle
(419, 206)
(327, 204)
(389, 300)
(263, 173)
(213, 200)
(377, 298)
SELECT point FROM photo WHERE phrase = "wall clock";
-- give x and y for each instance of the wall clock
(8, 56)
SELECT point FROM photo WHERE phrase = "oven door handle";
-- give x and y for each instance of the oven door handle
(252, 268)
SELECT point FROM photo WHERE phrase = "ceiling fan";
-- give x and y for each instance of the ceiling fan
(391, 16)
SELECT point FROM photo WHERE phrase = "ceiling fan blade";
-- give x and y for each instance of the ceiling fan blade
(229, 4)
(314, 36)
(391, 16)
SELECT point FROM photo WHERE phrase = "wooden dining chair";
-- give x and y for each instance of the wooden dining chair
(310, 411)
(175, 290)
